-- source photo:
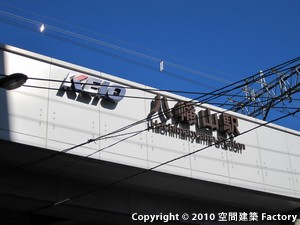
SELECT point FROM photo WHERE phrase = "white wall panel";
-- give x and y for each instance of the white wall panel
(275, 159)
(295, 162)
(212, 177)
(280, 191)
(247, 165)
(210, 160)
(244, 183)
(59, 120)
(171, 169)
(163, 147)
(132, 151)
(27, 107)
(271, 140)
(294, 153)
(293, 141)
(71, 120)
(23, 138)
(88, 150)
(278, 176)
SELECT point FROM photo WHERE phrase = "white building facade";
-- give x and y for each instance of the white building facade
(167, 144)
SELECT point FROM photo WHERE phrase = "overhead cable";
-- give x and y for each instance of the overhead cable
(88, 47)
(219, 92)
(101, 187)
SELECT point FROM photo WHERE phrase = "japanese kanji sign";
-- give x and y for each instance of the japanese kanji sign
(184, 114)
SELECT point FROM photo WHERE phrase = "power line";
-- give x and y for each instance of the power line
(32, 163)
(13, 170)
(153, 58)
(219, 92)
(115, 47)
(133, 134)
(97, 50)
(127, 87)
(87, 142)
(113, 55)
(131, 96)
(177, 76)
(60, 38)
(53, 204)
(63, 39)
(219, 104)
(136, 88)
(199, 73)
(71, 199)
(283, 87)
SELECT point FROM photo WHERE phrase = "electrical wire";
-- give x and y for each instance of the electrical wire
(199, 73)
(35, 162)
(127, 87)
(218, 104)
(97, 50)
(131, 96)
(121, 41)
(131, 52)
(57, 203)
(66, 150)
(133, 134)
(124, 128)
(275, 99)
(107, 137)
(91, 48)
(42, 159)
(98, 188)
(219, 92)
(138, 88)
(14, 170)
(88, 47)
(113, 55)
(102, 85)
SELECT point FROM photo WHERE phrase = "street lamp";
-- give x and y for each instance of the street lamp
(13, 81)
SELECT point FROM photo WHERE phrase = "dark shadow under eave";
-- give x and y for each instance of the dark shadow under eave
(4, 120)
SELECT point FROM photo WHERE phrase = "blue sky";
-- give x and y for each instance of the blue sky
(228, 39)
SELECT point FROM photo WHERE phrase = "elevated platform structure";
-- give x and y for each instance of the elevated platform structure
(172, 155)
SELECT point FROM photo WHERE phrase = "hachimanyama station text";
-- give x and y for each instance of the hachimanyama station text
(183, 115)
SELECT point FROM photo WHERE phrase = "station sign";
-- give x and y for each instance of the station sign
(94, 87)
(203, 127)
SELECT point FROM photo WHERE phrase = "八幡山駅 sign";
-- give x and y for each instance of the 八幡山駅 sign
(208, 128)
